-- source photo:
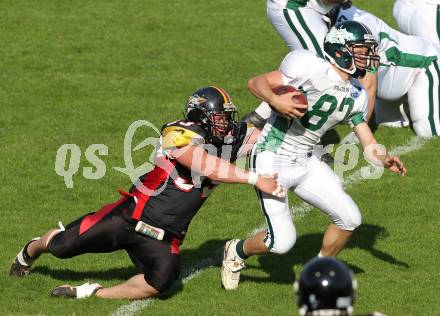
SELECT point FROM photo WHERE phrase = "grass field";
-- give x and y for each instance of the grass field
(80, 72)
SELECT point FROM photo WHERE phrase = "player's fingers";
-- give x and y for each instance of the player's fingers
(291, 114)
(292, 94)
(279, 192)
(403, 171)
(297, 113)
(301, 106)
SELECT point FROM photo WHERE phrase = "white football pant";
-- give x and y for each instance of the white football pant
(419, 17)
(302, 28)
(314, 182)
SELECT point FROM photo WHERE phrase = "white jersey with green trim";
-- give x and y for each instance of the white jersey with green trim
(331, 101)
(402, 56)
(317, 5)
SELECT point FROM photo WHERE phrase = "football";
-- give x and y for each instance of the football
(300, 98)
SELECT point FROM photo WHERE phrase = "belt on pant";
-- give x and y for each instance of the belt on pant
(141, 200)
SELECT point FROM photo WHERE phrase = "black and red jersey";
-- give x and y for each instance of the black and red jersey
(174, 194)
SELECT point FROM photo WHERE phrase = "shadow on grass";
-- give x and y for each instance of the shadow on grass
(280, 268)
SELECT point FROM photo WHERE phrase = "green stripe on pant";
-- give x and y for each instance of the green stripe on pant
(431, 102)
(252, 166)
(289, 21)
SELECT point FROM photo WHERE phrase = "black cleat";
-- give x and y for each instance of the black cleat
(18, 269)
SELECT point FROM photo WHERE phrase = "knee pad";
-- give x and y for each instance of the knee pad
(163, 280)
(61, 246)
(422, 128)
(351, 219)
(282, 244)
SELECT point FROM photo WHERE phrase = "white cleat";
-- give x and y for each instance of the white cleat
(231, 266)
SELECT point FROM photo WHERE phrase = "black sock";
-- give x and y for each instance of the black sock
(240, 251)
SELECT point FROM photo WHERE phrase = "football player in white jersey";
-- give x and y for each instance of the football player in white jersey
(303, 24)
(409, 68)
(288, 139)
(419, 17)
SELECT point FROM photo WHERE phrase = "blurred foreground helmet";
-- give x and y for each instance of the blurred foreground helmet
(325, 288)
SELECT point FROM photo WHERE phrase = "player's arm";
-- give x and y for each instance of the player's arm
(369, 82)
(367, 140)
(198, 160)
(252, 134)
(261, 86)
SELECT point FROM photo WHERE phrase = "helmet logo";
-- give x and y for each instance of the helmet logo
(195, 101)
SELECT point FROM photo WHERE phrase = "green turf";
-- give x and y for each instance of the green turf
(81, 72)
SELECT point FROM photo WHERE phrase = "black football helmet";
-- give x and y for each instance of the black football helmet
(213, 109)
(325, 287)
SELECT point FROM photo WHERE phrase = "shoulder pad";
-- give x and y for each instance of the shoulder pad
(182, 133)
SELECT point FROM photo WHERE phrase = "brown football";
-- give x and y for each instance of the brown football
(300, 99)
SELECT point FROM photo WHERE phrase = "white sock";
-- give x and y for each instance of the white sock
(320, 255)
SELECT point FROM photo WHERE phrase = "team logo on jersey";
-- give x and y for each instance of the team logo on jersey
(354, 93)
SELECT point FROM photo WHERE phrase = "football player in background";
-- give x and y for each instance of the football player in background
(302, 24)
(151, 220)
(409, 71)
(419, 17)
(286, 144)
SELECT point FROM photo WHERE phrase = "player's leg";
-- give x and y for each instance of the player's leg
(424, 102)
(94, 232)
(158, 259)
(323, 189)
(302, 28)
(278, 238)
(402, 12)
(418, 19)
(134, 288)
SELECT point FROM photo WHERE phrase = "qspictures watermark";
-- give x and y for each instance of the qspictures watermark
(68, 157)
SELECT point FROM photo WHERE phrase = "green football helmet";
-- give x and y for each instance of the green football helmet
(343, 43)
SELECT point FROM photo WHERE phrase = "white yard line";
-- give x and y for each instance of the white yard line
(300, 211)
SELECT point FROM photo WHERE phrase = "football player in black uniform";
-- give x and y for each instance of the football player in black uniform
(150, 221)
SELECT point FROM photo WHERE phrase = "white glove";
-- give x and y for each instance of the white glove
(82, 291)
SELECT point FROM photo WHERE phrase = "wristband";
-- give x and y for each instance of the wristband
(253, 178)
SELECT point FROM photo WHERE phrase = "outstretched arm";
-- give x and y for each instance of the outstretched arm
(220, 170)
(368, 141)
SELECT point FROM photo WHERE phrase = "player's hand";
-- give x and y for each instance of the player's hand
(394, 164)
(285, 105)
(269, 184)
